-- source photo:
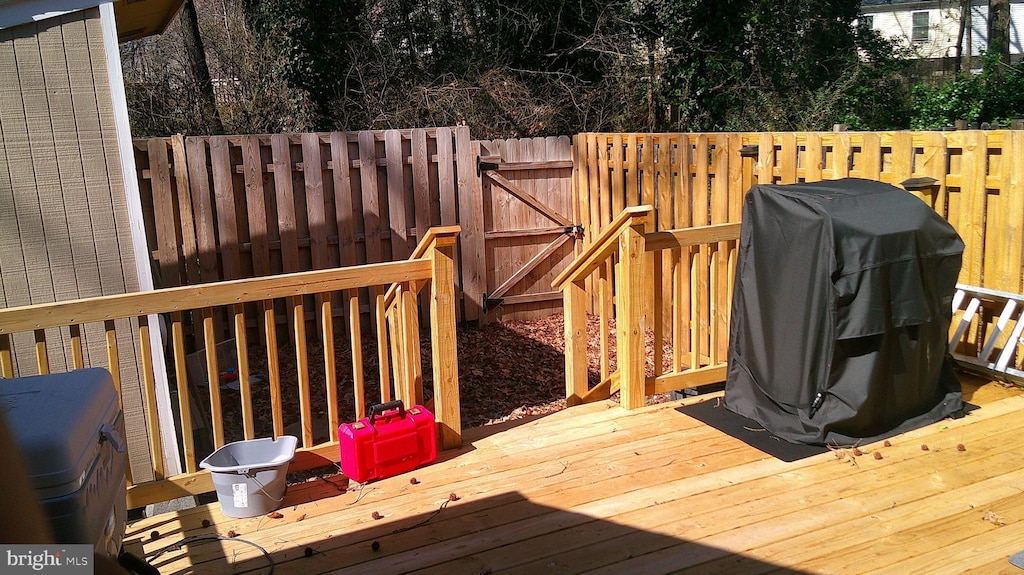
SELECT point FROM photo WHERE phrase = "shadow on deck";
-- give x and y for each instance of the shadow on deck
(488, 535)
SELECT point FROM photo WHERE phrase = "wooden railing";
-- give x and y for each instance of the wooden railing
(678, 278)
(432, 261)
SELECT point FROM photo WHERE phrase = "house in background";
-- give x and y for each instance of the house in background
(931, 29)
(70, 214)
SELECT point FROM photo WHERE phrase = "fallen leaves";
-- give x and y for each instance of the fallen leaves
(994, 518)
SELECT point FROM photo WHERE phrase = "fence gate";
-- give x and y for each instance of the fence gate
(529, 223)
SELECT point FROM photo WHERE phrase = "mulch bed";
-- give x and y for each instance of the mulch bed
(507, 370)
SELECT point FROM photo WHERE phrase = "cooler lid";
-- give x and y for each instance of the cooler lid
(56, 420)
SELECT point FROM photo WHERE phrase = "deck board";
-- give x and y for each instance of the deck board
(598, 489)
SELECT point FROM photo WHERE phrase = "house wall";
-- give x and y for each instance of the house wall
(896, 20)
(64, 225)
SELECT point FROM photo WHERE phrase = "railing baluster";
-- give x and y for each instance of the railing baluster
(396, 335)
(695, 306)
(356, 339)
(713, 329)
(156, 451)
(213, 377)
(302, 367)
(42, 360)
(244, 382)
(606, 311)
(330, 375)
(678, 307)
(659, 314)
(77, 358)
(184, 406)
(6, 357)
(410, 349)
(114, 367)
(383, 361)
(273, 366)
(113, 361)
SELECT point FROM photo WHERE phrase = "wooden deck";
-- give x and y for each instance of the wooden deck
(596, 488)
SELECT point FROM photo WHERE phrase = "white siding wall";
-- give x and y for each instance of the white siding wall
(944, 21)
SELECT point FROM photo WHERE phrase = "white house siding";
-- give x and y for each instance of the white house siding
(896, 20)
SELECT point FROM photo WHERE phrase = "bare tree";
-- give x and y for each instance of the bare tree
(963, 60)
(196, 55)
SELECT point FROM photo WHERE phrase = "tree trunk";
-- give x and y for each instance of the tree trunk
(196, 55)
(999, 31)
(965, 19)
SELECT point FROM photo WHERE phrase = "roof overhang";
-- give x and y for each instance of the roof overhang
(135, 18)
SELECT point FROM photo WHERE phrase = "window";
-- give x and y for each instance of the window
(920, 27)
(866, 23)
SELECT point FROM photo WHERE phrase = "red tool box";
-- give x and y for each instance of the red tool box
(391, 440)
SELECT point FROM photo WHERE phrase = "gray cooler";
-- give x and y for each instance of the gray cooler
(70, 431)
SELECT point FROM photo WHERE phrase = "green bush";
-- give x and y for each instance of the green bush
(996, 95)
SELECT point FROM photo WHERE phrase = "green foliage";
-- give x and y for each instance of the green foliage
(777, 65)
(995, 96)
(514, 68)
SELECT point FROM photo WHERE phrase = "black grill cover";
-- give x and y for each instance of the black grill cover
(843, 289)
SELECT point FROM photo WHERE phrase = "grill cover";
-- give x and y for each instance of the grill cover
(844, 290)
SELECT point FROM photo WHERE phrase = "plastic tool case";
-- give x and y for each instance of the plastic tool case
(391, 440)
(70, 431)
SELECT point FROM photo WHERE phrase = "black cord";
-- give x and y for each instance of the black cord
(207, 538)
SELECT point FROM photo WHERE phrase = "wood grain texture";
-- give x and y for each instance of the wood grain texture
(471, 240)
(599, 489)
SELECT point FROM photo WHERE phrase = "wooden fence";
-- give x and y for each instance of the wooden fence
(976, 181)
(699, 179)
(230, 207)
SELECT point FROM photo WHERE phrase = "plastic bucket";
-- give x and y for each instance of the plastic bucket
(250, 475)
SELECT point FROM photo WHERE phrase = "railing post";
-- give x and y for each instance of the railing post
(442, 333)
(629, 317)
(575, 308)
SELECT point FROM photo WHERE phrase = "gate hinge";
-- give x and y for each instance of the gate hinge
(492, 302)
(482, 166)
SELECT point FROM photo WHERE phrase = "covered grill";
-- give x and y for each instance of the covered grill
(841, 312)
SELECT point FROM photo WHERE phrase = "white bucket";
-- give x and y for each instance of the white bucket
(250, 475)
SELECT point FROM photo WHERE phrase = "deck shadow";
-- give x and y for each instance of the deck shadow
(499, 533)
